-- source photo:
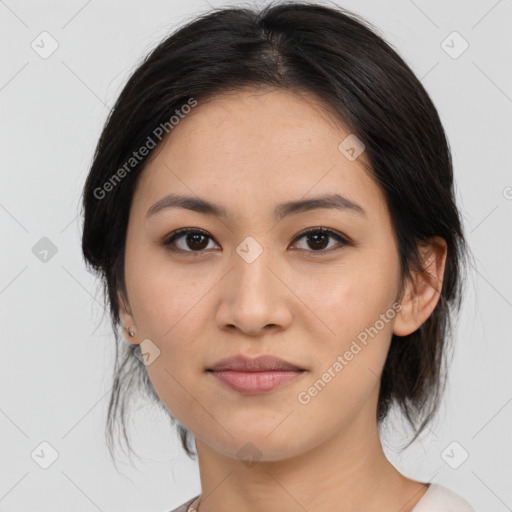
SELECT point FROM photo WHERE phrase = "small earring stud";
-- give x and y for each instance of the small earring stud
(130, 333)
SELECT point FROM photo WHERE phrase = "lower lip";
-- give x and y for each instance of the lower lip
(253, 383)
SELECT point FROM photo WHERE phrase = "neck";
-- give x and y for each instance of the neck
(347, 472)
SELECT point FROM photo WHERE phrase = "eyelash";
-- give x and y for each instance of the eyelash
(169, 240)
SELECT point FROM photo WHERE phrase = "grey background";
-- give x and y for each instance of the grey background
(57, 349)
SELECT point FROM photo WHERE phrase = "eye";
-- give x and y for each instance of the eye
(194, 240)
(317, 239)
(188, 240)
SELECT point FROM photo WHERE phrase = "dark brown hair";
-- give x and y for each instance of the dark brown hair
(339, 58)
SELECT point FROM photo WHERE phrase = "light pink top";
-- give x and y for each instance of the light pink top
(440, 499)
(437, 499)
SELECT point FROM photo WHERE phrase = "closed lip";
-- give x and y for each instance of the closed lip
(262, 363)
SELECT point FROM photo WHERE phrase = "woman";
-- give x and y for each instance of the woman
(271, 210)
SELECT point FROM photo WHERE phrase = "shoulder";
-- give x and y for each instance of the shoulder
(441, 499)
(183, 508)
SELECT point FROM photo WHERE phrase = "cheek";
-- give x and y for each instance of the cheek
(166, 298)
(169, 378)
(350, 363)
(355, 303)
(350, 298)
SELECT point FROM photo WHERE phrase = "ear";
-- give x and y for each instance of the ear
(423, 288)
(127, 320)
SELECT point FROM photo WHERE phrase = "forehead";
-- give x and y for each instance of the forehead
(245, 122)
(254, 147)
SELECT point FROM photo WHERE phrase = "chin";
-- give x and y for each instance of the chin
(256, 445)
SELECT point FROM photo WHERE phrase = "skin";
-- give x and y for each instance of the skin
(249, 151)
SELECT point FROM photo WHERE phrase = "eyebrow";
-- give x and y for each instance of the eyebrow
(197, 204)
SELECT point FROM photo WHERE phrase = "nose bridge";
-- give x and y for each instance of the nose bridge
(251, 261)
(253, 297)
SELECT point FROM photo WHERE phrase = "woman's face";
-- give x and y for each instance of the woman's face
(255, 284)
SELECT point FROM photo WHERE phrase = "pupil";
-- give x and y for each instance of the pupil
(316, 238)
(194, 238)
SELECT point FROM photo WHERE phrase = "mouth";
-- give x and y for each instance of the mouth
(255, 376)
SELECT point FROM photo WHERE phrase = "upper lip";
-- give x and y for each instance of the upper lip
(257, 364)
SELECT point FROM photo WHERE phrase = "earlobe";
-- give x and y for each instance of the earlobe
(423, 288)
(127, 320)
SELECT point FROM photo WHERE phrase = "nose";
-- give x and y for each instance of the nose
(254, 298)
